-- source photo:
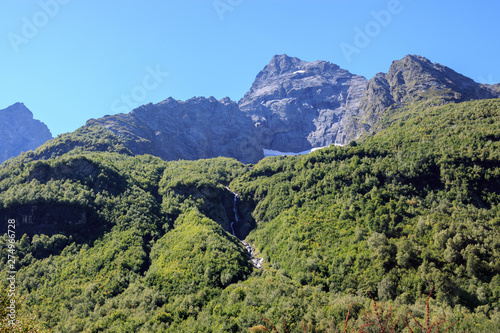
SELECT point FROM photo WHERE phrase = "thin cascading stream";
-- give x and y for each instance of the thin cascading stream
(235, 210)
(256, 262)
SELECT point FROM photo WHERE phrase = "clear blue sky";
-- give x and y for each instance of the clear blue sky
(71, 60)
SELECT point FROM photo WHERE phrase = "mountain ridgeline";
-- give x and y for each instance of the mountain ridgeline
(115, 234)
(19, 132)
(292, 106)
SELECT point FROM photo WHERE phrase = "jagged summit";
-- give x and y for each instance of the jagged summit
(297, 105)
(415, 74)
(17, 109)
(283, 68)
(282, 63)
(413, 79)
(415, 58)
(292, 106)
(197, 128)
(19, 131)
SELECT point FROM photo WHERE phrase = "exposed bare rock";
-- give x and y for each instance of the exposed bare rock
(298, 105)
(20, 132)
(195, 129)
(414, 79)
(292, 106)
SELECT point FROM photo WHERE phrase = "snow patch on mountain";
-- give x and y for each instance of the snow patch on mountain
(270, 152)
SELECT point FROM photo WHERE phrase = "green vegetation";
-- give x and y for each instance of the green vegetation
(412, 208)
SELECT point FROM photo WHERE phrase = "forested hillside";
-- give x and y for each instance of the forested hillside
(122, 243)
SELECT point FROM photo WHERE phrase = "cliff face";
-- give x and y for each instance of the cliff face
(292, 106)
(195, 129)
(20, 132)
(298, 105)
(415, 79)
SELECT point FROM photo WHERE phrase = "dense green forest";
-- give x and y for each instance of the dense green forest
(367, 229)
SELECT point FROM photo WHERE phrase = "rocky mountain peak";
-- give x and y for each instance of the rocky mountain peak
(297, 105)
(19, 131)
(413, 59)
(17, 108)
(197, 128)
(415, 77)
(292, 106)
(282, 63)
(282, 70)
(284, 77)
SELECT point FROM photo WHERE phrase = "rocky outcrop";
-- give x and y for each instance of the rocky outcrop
(255, 257)
(414, 79)
(495, 88)
(292, 106)
(20, 132)
(195, 129)
(298, 105)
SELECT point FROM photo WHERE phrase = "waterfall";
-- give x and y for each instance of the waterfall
(256, 261)
(235, 210)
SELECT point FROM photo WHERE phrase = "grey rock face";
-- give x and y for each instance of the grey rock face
(195, 129)
(298, 105)
(20, 132)
(292, 106)
(415, 78)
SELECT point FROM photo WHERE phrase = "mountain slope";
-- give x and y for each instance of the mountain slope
(20, 132)
(416, 81)
(415, 206)
(111, 240)
(294, 106)
(298, 105)
(197, 128)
